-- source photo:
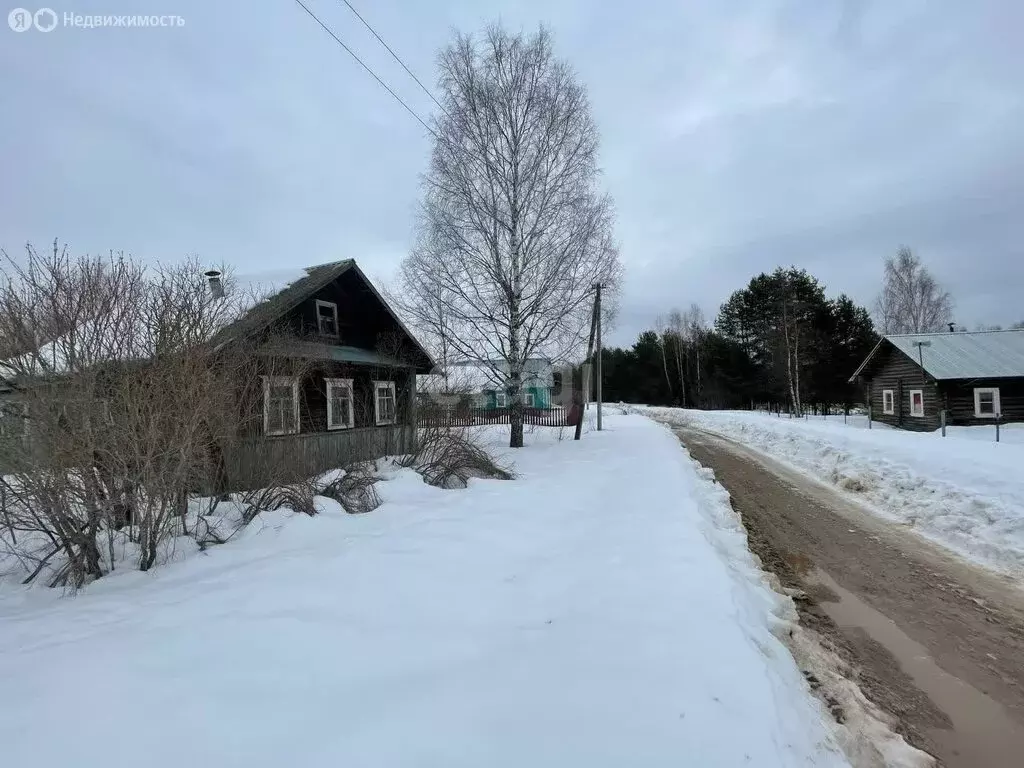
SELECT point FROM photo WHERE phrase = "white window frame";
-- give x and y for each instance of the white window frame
(917, 414)
(280, 381)
(500, 400)
(528, 399)
(889, 410)
(996, 409)
(377, 385)
(341, 384)
(319, 319)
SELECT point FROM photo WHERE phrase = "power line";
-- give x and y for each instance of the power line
(464, 150)
(394, 55)
(467, 152)
(363, 64)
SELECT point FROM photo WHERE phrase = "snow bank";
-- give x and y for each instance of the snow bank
(601, 610)
(961, 491)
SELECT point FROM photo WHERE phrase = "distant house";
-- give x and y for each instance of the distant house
(974, 377)
(485, 385)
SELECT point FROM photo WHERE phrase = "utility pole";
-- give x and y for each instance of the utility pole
(597, 312)
(585, 375)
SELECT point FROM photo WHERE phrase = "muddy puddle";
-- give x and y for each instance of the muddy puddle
(982, 734)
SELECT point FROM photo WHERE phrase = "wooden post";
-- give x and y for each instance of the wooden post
(412, 438)
(942, 421)
(597, 372)
(590, 353)
(998, 419)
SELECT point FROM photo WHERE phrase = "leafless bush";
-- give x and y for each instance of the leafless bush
(297, 497)
(122, 405)
(355, 490)
(447, 458)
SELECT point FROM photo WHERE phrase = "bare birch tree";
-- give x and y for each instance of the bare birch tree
(911, 300)
(665, 330)
(694, 327)
(514, 230)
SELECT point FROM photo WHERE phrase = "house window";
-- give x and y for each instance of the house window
(500, 400)
(529, 399)
(986, 402)
(917, 402)
(339, 403)
(384, 401)
(327, 318)
(280, 405)
(888, 402)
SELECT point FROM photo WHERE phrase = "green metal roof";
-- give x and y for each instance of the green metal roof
(340, 353)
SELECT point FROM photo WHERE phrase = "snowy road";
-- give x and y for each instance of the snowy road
(600, 610)
(965, 491)
(940, 642)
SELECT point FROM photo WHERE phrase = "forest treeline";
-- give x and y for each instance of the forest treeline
(780, 342)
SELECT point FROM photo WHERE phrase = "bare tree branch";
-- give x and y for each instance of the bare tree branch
(911, 300)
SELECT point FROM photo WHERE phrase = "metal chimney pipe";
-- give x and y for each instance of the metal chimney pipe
(216, 286)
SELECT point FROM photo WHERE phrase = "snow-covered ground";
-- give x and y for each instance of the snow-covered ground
(600, 610)
(1008, 433)
(964, 491)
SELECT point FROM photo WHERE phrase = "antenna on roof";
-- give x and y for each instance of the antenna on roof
(216, 286)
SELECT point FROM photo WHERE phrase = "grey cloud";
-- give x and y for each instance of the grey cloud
(737, 136)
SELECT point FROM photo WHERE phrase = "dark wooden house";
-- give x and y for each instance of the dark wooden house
(340, 377)
(914, 380)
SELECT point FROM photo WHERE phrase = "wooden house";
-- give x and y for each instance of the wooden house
(485, 385)
(355, 394)
(332, 377)
(913, 381)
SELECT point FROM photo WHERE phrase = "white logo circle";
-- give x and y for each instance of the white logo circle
(20, 20)
(45, 19)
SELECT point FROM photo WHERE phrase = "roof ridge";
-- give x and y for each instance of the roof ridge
(952, 333)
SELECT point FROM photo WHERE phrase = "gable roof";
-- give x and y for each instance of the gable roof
(274, 294)
(961, 355)
(296, 288)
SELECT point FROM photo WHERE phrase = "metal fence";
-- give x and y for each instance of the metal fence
(468, 417)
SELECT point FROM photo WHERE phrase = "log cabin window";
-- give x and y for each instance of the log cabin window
(339, 403)
(917, 402)
(385, 406)
(529, 399)
(888, 402)
(280, 405)
(327, 318)
(986, 402)
(500, 400)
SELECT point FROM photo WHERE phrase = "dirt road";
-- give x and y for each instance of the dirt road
(935, 642)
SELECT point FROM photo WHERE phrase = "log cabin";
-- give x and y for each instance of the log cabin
(915, 381)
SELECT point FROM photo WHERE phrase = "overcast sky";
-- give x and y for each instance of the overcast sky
(737, 136)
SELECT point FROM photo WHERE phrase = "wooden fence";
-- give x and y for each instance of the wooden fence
(290, 458)
(468, 417)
